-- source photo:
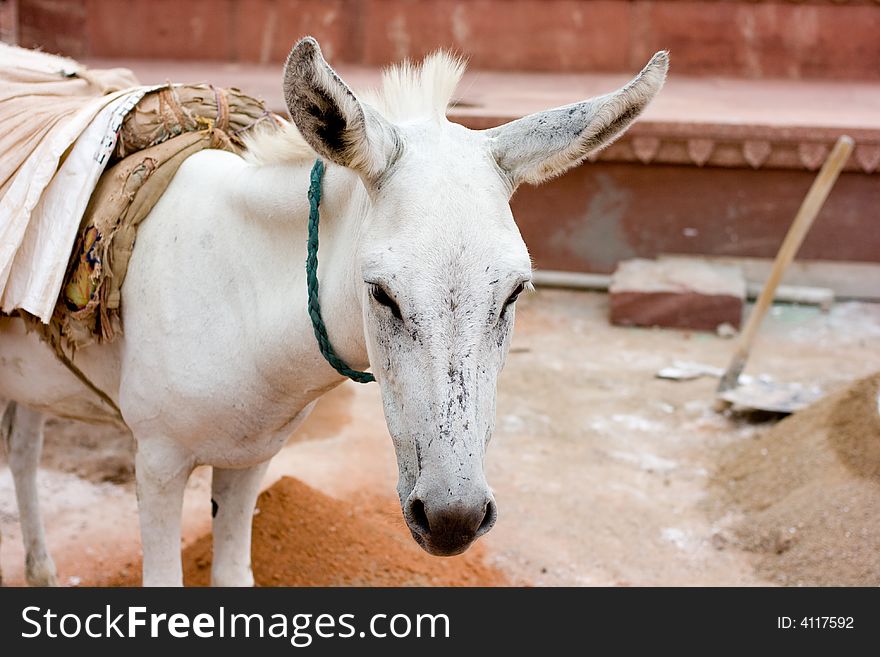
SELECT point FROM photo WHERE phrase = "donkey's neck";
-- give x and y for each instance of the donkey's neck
(276, 198)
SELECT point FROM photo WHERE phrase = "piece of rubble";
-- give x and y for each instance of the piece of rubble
(679, 293)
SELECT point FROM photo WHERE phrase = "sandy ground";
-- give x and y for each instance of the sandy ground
(602, 472)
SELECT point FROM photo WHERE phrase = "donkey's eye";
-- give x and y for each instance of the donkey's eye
(513, 295)
(383, 298)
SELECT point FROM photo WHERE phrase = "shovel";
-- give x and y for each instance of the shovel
(760, 393)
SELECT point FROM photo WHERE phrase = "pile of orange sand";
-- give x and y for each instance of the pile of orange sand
(808, 492)
(302, 537)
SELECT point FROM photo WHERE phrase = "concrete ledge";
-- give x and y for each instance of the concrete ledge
(718, 122)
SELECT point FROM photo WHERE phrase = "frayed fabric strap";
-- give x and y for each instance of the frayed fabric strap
(312, 281)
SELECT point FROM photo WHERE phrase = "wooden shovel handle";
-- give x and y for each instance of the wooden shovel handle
(810, 207)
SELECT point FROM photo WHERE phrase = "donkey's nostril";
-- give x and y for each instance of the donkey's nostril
(419, 517)
(447, 526)
(488, 519)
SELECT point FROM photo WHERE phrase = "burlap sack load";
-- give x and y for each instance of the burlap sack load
(55, 115)
(166, 127)
(38, 93)
(85, 156)
(181, 108)
(88, 309)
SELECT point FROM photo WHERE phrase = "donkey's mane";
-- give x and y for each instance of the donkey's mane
(408, 92)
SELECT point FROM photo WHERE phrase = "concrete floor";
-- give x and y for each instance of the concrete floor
(601, 471)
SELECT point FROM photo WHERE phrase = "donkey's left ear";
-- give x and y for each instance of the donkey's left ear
(331, 119)
(540, 146)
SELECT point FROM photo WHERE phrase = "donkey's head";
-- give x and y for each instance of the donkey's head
(441, 259)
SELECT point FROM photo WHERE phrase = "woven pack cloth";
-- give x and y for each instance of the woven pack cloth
(157, 135)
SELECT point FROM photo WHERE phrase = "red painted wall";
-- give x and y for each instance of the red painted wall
(741, 38)
(600, 213)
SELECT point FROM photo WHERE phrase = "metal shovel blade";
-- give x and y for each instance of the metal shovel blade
(760, 394)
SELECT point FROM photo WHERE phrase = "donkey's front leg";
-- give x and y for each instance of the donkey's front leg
(23, 429)
(233, 496)
(162, 468)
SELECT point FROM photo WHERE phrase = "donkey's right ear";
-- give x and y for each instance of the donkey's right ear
(330, 117)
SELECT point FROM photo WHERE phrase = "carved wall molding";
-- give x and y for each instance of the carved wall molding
(723, 145)
(782, 2)
(740, 147)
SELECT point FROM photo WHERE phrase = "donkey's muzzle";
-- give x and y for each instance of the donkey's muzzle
(448, 527)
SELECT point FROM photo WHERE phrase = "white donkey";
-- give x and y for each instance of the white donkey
(420, 265)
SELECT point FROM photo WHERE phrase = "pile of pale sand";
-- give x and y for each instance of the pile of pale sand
(809, 492)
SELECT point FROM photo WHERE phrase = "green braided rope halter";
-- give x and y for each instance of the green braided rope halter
(312, 281)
